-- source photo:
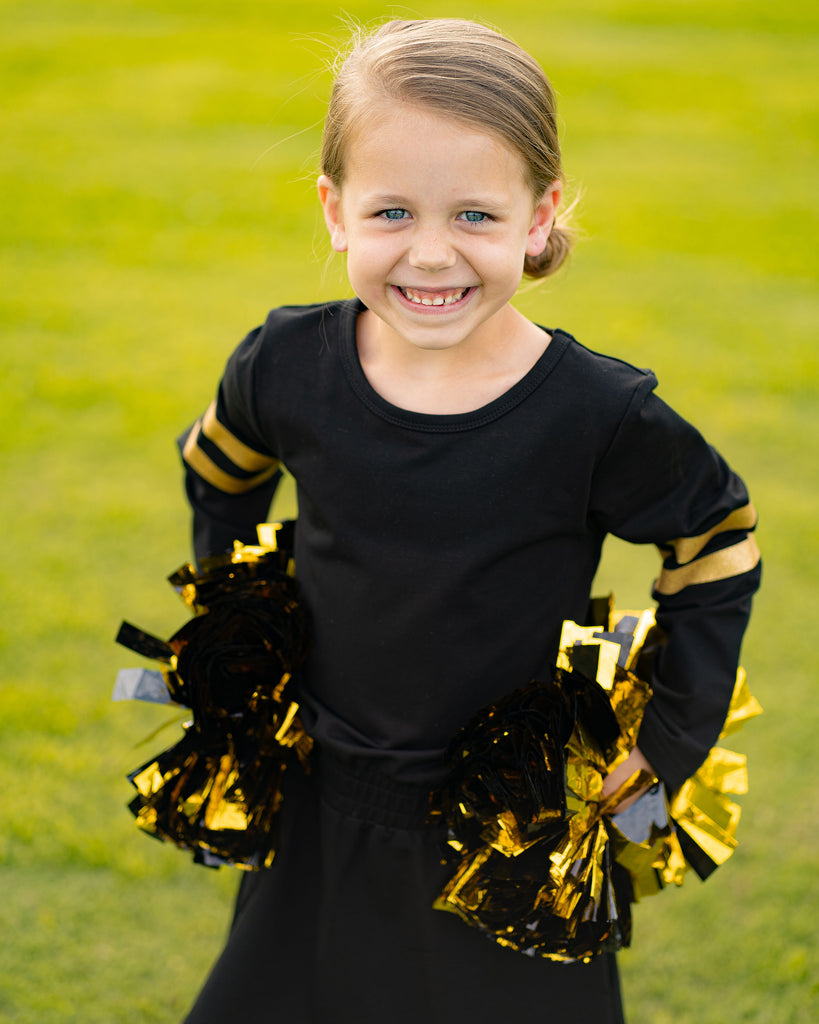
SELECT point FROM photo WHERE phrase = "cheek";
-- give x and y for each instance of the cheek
(371, 255)
(502, 260)
(365, 272)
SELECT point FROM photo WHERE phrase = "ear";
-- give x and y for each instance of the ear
(330, 199)
(543, 219)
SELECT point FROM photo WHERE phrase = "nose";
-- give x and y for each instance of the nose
(430, 249)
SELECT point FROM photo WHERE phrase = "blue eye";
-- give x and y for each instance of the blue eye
(394, 214)
(474, 216)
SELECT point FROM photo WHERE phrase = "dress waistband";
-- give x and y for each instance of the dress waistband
(357, 790)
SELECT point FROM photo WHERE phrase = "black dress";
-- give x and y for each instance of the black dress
(438, 556)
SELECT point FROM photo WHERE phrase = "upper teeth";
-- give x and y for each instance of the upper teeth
(437, 299)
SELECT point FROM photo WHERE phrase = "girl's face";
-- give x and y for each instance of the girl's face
(435, 217)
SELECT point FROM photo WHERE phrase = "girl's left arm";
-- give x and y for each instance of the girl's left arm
(661, 483)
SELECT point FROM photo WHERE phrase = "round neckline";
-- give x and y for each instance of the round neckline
(440, 422)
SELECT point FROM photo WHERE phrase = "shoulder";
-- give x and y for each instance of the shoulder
(290, 335)
(320, 318)
(602, 387)
(601, 369)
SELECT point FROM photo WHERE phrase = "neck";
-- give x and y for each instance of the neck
(497, 343)
(456, 379)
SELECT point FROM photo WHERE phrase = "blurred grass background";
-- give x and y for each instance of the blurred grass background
(157, 167)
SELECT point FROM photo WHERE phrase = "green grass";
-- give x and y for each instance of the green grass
(156, 179)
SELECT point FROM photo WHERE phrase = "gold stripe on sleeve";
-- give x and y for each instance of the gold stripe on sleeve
(720, 565)
(210, 472)
(245, 457)
(686, 548)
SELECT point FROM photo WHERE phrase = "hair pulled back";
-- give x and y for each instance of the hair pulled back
(465, 71)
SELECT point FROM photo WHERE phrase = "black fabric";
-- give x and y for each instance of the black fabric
(341, 929)
(439, 555)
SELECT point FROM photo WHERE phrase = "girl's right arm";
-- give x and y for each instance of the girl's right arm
(230, 477)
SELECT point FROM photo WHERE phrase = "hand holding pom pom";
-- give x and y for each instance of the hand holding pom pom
(218, 790)
(541, 863)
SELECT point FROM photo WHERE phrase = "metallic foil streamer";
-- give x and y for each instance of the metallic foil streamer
(539, 863)
(218, 790)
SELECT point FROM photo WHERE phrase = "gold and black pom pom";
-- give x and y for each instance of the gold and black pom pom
(218, 790)
(538, 862)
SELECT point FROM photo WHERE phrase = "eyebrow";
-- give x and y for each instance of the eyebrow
(463, 203)
(385, 200)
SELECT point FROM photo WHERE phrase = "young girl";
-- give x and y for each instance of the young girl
(458, 468)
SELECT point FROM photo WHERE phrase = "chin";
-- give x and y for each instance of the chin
(429, 342)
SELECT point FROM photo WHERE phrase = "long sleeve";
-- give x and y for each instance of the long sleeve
(661, 483)
(230, 473)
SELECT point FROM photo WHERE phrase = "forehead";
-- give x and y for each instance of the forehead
(413, 143)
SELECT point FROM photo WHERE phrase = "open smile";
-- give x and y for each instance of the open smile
(425, 298)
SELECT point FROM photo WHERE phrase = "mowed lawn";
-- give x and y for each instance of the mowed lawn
(156, 180)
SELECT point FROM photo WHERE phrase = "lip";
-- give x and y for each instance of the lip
(422, 310)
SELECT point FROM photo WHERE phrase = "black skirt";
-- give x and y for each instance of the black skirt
(341, 930)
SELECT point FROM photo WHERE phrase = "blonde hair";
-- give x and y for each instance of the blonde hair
(467, 72)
